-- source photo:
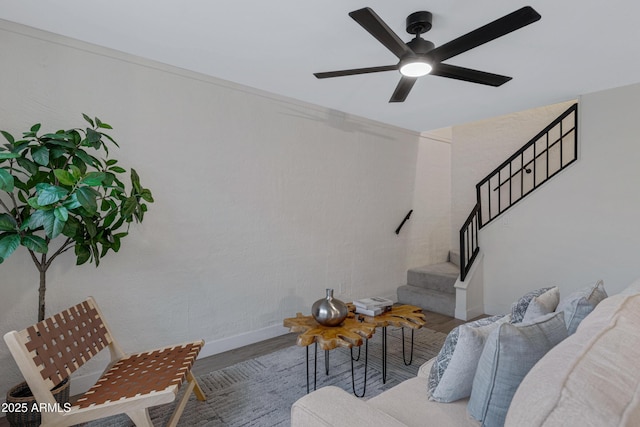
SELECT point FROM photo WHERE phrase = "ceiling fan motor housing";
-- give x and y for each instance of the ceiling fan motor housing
(419, 22)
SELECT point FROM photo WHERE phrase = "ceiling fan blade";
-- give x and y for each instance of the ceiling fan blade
(403, 89)
(371, 22)
(498, 28)
(354, 71)
(469, 75)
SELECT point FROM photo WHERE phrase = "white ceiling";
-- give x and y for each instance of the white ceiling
(577, 47)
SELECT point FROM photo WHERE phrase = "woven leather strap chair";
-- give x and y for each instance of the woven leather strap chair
(51, 350)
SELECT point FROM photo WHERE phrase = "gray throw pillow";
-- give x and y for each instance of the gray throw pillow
(580, 303)
(508, 355)
(519, 308)
(542, 304)
(452, 372)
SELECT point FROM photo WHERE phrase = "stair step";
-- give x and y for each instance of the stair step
(454, 257)
(428, 299)
(440, 277)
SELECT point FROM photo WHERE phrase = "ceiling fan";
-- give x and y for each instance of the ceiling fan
(420, 57)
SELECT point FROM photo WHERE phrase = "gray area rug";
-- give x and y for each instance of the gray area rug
(260, 391)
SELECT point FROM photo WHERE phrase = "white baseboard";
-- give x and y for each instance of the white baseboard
(236, 341)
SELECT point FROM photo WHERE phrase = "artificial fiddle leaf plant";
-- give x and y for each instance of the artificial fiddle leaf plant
(61, 191)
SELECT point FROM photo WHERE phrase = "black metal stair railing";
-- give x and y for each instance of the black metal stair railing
(545, 155)
(469, 241)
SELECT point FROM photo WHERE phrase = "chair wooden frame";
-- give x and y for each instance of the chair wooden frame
(51, 350)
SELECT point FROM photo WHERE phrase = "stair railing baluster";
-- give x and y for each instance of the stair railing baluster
(469, 233)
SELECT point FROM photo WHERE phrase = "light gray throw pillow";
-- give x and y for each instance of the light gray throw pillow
(452, 372)
(508, 355)
(542, 304)
(579, 304)
(519, 308)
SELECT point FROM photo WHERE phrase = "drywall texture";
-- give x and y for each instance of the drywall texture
(480, 147)
(429, 227)
(580, 226)
(260, 202)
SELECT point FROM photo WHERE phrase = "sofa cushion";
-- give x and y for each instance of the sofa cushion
(591, 378)
(542, 304)
(452, 372)
(509, 353)
(408, 403)
(579, 304)
(519, 308)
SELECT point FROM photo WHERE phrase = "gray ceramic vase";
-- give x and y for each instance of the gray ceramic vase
(329, 311)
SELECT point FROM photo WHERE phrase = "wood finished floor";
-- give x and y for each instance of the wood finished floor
(434, 321)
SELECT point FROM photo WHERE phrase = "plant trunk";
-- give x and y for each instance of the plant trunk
(41, 292)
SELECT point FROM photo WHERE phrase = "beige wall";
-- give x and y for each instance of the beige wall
(583, 224)
(261, 202)
(480, 147)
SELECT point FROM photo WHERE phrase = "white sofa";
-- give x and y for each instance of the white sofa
(592, 378)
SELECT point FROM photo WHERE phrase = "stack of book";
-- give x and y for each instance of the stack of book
(373, 306)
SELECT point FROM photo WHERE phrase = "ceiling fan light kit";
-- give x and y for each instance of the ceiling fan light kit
(420, 57)
(415, 67)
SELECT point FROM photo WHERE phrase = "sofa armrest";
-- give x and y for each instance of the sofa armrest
(425, 369)
(332, 406)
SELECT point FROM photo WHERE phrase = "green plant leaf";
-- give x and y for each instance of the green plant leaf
(28, 165)
(82, 254)
(63, 139)
(48, 194)
(33, 202)
(102, 125)
(93, 178)
(87, 198)
(9, 242)
(7, 223)
(52, 225)
(36, 220)
(146, 195)
(72, 228)
(61, 213)
(117, 169)
(7, 155)
(8, 137)
(88, 159)
(88, 119)
(129, 207)
(64, 177)
(75, 172)
(6, 181)
(57, 152)
(71, 202)
(108, 220)
(40, 155)
(135, 181)
(35, 243)
(91, 227)
(79, 164)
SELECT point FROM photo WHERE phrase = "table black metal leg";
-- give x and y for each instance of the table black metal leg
(359, 351)
(404, 359)
(315, 366)
(307, 349)
(353, 381)
(384, 355)
(326, 362)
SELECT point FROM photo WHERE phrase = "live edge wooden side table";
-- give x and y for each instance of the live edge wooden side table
(400, 316)
(349, 334)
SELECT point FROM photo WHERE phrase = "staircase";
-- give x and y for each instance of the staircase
(432, 286)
